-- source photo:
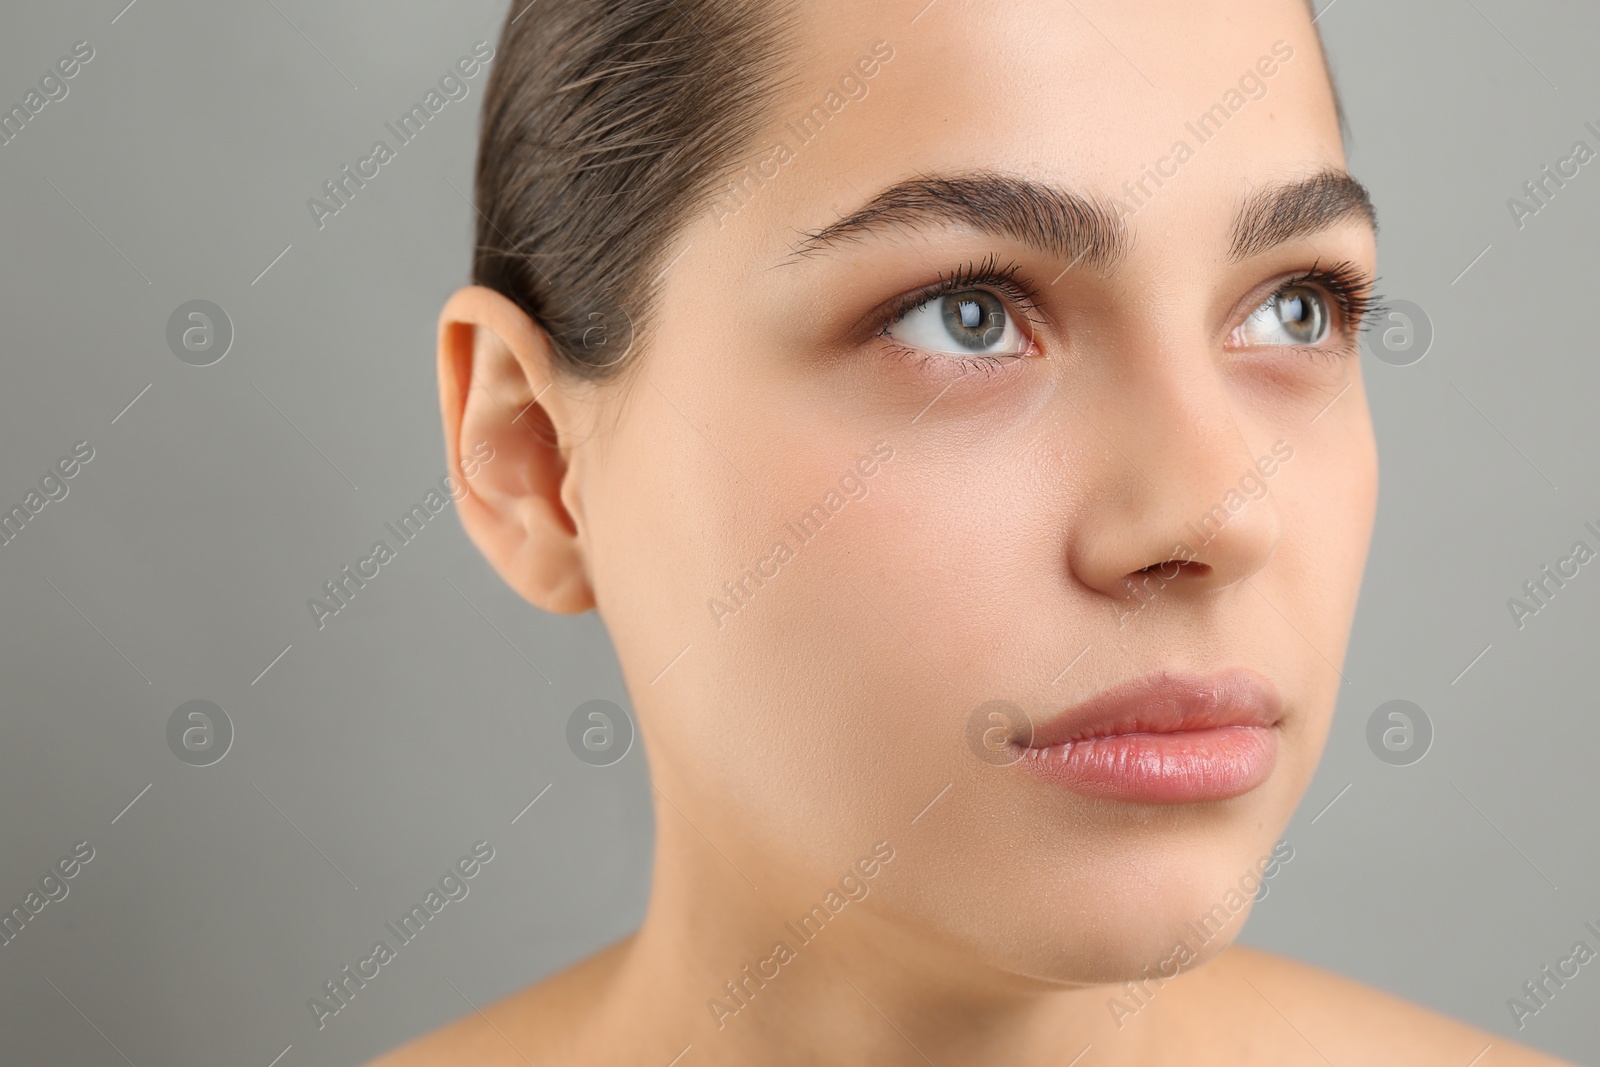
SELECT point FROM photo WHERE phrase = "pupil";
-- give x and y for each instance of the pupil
(1301, 313)
(975, 320)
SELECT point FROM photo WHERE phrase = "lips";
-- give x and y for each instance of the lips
(1170, 737)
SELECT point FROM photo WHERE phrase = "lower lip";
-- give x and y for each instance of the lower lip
(1180, 767)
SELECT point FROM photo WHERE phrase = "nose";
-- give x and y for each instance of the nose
(1183, 501)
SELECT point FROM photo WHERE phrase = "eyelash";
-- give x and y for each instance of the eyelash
(1352, 291)
(1003, 280)
(1349, 286)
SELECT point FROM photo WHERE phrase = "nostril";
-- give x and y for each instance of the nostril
(1172, 568)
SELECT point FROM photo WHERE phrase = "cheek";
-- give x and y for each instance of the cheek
(755, 666)
(807, 656)
(895, 616)
(1328, 495)
(1330, 501)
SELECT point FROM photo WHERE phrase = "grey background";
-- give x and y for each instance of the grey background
(429, 713)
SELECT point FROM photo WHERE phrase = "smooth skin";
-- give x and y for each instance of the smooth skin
(990, 558)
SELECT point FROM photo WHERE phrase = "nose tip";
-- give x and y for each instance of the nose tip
(1197, 535)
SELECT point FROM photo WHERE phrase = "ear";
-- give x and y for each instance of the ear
(508, 436)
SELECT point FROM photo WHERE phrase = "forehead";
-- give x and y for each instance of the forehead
(1086, 94)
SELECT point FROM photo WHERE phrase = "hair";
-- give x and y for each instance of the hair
(606, 125)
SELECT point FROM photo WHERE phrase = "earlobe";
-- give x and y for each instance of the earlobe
(507, 439)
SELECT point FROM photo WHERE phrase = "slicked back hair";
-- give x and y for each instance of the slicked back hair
(606, 124)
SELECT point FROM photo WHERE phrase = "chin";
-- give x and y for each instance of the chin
(1102, 909)
(1127, 945)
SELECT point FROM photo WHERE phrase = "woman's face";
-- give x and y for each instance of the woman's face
(988, 498)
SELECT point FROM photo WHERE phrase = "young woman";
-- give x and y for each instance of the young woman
(953, 410)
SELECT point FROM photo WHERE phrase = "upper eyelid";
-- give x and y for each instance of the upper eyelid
(1355, 299)
(1003, 284)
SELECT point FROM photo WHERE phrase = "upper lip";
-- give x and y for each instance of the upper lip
(1166, 701)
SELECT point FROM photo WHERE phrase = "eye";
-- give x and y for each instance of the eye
(1294, 315)
(971, 322)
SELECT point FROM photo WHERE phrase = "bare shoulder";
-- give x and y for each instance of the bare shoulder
(1347, 1021)
(535, 1024)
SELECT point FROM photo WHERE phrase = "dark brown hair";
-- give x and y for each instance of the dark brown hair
(606, 124)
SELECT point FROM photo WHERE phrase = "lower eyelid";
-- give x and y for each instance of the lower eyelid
(953, 367)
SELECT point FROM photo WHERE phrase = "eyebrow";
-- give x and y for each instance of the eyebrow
(1075, 228)
(1289, 210)
(1059, 223)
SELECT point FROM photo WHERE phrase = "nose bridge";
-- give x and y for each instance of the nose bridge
(1189, 502)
